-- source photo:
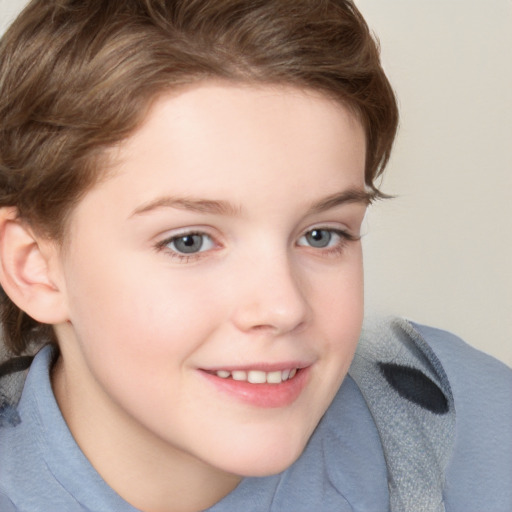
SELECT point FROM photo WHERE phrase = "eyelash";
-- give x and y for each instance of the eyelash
(344, 238)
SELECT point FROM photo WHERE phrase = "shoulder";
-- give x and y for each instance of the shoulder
(437, 401)
(481, 385)
(12, 377)
(13, 373)
(464, 362)
(480, 469)
(469, 375)
(17, 440)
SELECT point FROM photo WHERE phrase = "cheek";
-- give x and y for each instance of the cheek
(339, 297)
(339, 317)
(138, 315)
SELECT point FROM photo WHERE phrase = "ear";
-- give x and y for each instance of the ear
(28, 267)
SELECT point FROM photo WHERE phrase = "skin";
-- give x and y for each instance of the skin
(142, 321)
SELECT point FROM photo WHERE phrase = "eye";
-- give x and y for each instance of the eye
(330, 241)
(188, 243)
(319, 238)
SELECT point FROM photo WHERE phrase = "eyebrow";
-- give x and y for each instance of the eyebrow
(220, 207)
(217, 207)
(365, 197)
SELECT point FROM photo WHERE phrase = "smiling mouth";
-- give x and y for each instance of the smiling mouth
(257, 376)
(277, 387)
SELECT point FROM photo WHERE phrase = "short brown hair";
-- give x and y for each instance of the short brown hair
(78, 76)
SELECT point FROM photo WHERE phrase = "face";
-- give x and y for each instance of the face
(213, 283)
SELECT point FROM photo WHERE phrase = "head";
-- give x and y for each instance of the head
(77, 78)
(84, 85)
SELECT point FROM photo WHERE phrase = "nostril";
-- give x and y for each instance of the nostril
(263, 328)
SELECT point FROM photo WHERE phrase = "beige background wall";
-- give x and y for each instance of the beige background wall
(441, 252)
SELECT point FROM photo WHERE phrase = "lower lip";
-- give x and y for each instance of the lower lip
(262, 395)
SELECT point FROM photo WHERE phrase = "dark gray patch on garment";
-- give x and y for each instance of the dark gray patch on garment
(415, 386)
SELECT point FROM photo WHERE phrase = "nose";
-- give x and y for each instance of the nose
(271, 297)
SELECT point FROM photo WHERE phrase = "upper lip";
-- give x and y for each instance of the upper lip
(263, 367)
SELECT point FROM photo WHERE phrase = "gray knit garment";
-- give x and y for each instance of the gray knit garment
(409, 397)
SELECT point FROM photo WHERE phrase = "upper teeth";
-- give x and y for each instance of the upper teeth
(257, 376)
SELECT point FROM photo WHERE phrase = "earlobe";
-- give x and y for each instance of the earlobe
(25, 271)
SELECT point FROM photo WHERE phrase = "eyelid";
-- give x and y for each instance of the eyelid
(168, 234)
(342, 231)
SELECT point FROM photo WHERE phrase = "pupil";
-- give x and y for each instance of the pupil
(189, 243)
(319, 237)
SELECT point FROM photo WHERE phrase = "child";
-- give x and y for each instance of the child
(182, 189)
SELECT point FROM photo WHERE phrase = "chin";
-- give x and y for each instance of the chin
(269, 455)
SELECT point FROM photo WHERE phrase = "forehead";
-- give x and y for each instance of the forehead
(216, 140)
